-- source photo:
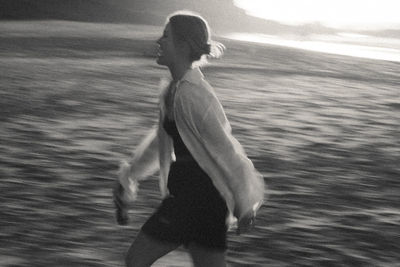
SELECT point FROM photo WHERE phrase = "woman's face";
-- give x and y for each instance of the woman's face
(167, 51)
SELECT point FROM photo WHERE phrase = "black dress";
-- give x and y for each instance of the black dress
(194, 211)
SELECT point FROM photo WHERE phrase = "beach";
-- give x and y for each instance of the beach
(76, 98)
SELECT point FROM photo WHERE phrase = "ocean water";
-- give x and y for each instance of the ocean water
(347, 44)
(323, 129)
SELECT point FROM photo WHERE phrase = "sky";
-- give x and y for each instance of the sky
(338, 14)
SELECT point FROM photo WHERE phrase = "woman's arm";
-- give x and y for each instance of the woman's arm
(243, 179)
(199, 109)
(143, 163)
(145, 158)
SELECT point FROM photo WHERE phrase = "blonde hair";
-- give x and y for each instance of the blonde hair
(193, 29)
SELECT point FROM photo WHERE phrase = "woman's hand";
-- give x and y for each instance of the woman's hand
(121, 207)
(246, 223)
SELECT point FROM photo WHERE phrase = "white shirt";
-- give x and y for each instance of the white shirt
(206, 132)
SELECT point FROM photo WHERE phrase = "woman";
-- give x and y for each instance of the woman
(205, 176)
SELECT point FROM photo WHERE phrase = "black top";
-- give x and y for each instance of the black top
(186, 178)
(181, 152)
(194, 211)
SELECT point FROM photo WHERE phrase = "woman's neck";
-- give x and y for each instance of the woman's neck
(179, 70)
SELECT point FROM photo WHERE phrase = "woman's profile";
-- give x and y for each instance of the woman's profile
(205, 176)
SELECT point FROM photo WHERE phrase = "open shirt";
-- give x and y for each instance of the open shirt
(205, 130)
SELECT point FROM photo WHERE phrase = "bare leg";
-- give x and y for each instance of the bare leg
(145, 250)
(203, 257)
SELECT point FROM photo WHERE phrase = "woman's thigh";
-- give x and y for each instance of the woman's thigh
(205, 257)
(145, 250)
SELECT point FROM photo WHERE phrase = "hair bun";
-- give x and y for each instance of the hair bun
(216, 49)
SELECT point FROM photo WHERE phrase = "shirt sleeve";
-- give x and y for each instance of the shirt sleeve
(145, 158)
(204, 113)
(143, 163)
(243, 179)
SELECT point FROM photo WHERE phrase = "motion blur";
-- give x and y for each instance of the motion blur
(323, 129)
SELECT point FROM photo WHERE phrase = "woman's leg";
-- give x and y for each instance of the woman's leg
(204, 257)
(145, 250)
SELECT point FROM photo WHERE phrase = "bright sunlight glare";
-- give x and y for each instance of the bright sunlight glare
(340, 14)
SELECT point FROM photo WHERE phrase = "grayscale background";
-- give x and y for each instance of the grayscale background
(78, 91)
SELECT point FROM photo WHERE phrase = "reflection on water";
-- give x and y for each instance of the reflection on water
(324, 131)
(328, 44)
